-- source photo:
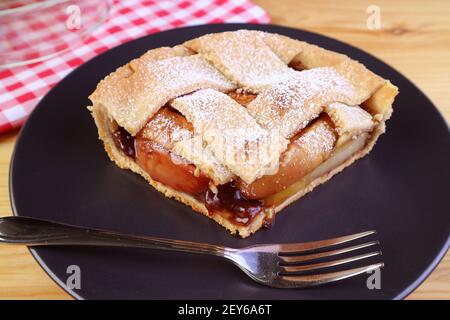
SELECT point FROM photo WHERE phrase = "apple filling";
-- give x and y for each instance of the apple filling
(310, 154)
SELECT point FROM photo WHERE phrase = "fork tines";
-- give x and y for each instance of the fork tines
(296, 259)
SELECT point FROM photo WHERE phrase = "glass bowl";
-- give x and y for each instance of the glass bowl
(31, 31)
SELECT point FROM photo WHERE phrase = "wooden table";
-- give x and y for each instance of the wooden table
(414, 38)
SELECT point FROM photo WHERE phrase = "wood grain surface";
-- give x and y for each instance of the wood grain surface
(414, 38)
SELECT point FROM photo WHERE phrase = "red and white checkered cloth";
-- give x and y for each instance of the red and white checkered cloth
(21, 88)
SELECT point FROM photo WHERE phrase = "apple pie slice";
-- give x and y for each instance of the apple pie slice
(238, 125)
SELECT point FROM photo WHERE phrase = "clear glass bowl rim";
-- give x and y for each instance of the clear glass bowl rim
(42, 6)
(31, 6)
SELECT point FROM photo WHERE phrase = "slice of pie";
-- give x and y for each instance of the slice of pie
(238, 125)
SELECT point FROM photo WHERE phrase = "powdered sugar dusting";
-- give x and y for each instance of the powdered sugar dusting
(291, 104)
(244, 57)
(234, 137)
(134, 99)
(200, 154)
(351, 120)
(229, 139)
(319, 139)
(164, 129)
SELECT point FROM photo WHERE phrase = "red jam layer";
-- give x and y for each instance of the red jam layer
(239, 210)
(125, 142)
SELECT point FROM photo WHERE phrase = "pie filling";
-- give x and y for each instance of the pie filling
(310, 154)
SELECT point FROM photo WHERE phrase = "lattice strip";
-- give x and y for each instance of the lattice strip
(364, 81)
(290, 105)
(133, 98)
(243, 57)
(233, 136)
(197, 152)
(349, 120)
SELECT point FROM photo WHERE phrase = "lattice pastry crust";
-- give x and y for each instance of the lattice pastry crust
(248, 103)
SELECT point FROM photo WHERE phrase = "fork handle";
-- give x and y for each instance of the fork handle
(36, 232)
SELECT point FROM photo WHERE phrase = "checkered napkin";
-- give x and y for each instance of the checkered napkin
(21, 88)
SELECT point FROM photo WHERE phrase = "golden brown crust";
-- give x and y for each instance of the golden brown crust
(254, 61)
(380, 103)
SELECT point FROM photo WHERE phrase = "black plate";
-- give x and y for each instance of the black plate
(61, 172)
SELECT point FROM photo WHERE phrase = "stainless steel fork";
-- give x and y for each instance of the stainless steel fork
(276, 265)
